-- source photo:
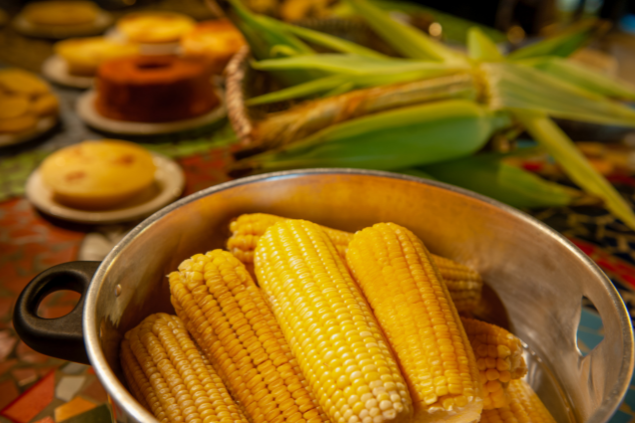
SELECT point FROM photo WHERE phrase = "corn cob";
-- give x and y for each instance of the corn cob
(499, 358)
(303, 120)
(488, 174)
(413, 307)
(429, 133)
(524, 407)
(170, 377)
(464, 284)
(229, 318)
(330, 327)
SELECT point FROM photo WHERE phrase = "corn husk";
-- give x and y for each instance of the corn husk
(351, 64)
(575, 165)
(512, 86)
(490, 175)
(405, 39)
(394, 139)
(562, 44)
(583, 77)
(481, 48)
(307, 118)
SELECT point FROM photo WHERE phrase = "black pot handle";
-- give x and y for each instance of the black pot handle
(61, 337)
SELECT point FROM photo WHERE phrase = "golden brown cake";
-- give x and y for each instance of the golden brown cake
(84, 55)
(61, 13)
(24, 99)
(154, 89)
(98, 174)
(216, 40)
(154, 27)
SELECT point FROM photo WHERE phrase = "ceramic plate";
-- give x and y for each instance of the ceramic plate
(24, 27)
(168, 185)
(56, 70)
(44, 124)
(145, 48)
(86, 110)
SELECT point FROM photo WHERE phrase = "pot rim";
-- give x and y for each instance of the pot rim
(121, 395)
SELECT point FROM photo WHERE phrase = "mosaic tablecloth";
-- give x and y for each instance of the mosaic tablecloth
(38, 388)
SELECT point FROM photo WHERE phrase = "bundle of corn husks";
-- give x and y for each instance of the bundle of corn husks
(430, 107)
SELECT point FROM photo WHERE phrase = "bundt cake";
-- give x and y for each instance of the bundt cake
(154, 89)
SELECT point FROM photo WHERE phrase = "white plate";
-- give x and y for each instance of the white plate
(85, 108)
(56, 69)
(44, 124)
(145, 48)
(168, 185)
(23, 26)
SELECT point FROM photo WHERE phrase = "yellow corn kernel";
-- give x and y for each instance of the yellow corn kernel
(329, 325)
(499, 357)
(170, 377)
(524, 407)
(414, 308)
(228, 317)
(465, 285)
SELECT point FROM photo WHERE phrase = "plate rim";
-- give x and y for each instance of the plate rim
(169, 172)
(56, 70)
(103, 20)
(87, 112)
(43, 125)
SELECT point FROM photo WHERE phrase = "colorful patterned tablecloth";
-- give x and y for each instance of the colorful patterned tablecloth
(38, 388)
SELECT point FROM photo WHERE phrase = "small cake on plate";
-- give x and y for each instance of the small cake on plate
(96, 175)
(24, 99)
(84, 55)
(154, 89)
(61, 13)
(154, 27)
(216, 41)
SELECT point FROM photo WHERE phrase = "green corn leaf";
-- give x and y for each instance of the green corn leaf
(265, 33)
(489, 175)
(355, 65)
(583, 77)
(481, 48)
(266, 38)
(306, 89)
(342, 89)
(405, 39)
(520, 87)
(330, 41)
(329, 83)
(562, 45)
(394, 139)
(413, 171)
(547, 133)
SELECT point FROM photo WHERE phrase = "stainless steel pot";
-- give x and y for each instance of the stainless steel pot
(540, 277)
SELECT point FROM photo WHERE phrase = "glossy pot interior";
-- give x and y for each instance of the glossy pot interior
(539, 276)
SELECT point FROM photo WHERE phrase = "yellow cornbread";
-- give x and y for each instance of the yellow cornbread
(61, 13)
(98, 174)
(84, 55)
(217, 41)
(18, 81)
(154, 27)
(24, 100)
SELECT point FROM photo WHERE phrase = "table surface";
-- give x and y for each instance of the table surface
(38, 388)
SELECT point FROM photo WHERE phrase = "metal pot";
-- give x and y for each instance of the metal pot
(538, 275)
